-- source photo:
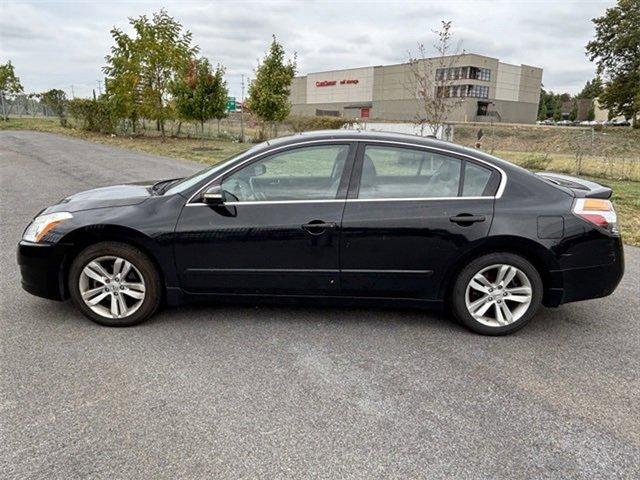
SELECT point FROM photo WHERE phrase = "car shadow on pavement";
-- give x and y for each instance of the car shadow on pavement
(292, 314)
(565, 320)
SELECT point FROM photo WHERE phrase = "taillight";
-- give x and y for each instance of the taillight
(597, 211)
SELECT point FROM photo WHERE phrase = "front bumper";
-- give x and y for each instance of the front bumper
(41, 267)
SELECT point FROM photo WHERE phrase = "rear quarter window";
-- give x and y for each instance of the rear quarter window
(476, 179)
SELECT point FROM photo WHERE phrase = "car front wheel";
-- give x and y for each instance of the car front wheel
(114, 284)
(497, 293)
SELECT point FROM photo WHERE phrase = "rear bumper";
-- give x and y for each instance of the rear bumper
(41, 269)
(588, 282)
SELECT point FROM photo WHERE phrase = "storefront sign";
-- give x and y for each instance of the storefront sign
(333, 83)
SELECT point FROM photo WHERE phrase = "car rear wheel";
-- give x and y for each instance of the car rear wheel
(497, 294)
(114, 284)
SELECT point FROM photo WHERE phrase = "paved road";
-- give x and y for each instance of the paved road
(286, 392)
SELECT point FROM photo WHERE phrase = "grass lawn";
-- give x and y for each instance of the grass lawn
(626, 194)
(626, 197)
(620, 168)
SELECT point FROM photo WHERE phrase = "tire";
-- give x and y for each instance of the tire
(491, 301)
(140, 288)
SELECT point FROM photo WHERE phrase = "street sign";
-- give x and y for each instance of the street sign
(231, 104)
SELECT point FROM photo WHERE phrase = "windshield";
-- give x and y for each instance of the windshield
(188, 182)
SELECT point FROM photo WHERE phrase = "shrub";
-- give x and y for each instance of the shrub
(93, 115)
(303, 124)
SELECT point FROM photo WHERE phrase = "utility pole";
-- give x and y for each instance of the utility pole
(99, 87)
(242, 112)
(73, 95)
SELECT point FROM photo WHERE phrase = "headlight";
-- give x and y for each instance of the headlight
(43, 224)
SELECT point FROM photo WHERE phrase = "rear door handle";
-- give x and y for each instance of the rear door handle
(318, 227)
(467, 218)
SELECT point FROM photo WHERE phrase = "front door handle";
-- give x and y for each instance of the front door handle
(318, 227)
(467, 219)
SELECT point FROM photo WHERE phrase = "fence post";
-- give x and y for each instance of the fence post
(4, 113)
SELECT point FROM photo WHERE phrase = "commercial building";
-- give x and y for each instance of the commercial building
(579, 107)
(479, 88)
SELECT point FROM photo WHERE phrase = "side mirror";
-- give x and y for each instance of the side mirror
(213, 196)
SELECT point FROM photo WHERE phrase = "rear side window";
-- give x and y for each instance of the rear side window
(392, 172)
(412, 173)
(476, 179)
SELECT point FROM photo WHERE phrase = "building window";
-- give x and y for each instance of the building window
(477, 73)
(463, 73)
(478, 91)
(461, 91)
(327, 113)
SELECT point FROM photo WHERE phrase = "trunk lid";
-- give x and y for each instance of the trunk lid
(580, 187)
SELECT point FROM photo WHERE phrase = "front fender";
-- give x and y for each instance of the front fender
(149, 227)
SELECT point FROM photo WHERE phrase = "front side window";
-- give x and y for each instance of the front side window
(306, 173)
(392, 172)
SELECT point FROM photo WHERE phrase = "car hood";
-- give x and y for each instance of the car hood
(113, 196)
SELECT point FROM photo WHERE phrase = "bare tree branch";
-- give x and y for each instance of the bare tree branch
(430, 81)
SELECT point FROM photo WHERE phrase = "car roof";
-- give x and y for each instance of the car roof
(363, 135)
(354, 134)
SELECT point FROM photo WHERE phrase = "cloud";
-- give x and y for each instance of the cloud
(63, 43)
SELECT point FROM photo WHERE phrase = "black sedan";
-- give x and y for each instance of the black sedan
(338, 215)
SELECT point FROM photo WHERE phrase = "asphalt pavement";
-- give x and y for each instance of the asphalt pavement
(218, 391)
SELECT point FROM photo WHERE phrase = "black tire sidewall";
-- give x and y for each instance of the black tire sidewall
(139, 260)
(458, 292)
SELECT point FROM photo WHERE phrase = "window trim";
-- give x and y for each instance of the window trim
(356, 144)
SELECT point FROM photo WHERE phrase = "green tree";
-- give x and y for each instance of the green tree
(556, 102)
(269, 91)
(551, 104)
(123, 83)
(592, 89)
(616, 51)
(56, 100)
(143, 67)
(573, 114)
(222, 95)
(9, 85)
(200, 93)
(564, 97)
(542, 105)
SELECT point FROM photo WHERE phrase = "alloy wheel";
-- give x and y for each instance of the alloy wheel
(112, 287)
(498, 295)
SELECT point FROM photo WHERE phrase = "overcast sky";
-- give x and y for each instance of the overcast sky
(56, 44)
